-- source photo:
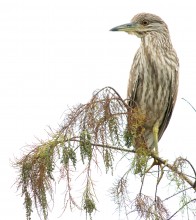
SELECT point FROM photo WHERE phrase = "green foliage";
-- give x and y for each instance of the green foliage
(128, 138)
(108, 160)
(36, 176)
(185, 201)
(94, 131)
(85, 145)
(49, 161)
(43, 201)
(113, 130)
(88, 203)
(140, 161)
(67, 155)
(28, 205)
(26, 167)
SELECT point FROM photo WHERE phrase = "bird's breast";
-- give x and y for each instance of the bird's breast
(152, 88)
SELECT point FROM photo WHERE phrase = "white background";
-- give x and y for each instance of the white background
(54, 54)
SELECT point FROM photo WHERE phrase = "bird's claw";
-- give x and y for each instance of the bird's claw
(156, 162)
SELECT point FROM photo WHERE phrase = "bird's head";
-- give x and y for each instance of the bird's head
(142, 24)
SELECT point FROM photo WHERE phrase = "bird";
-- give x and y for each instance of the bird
(154, 75)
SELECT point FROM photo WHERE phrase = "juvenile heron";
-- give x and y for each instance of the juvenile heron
(153, 80)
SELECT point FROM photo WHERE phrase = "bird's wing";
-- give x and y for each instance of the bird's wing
(133, 81)
(171, 102)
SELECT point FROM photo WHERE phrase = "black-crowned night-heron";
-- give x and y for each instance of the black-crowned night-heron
(153, 81)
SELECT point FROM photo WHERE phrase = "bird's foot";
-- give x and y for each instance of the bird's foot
(155, 162)
(160, 169)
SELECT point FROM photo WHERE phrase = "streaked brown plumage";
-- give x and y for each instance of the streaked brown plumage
(153, 81)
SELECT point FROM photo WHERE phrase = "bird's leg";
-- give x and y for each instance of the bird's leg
(155, 136)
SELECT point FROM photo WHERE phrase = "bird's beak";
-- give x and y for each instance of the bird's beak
(129, 28)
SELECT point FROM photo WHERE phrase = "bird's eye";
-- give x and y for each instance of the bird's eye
(144, 22)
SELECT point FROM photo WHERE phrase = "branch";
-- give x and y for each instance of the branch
(153, 155)
(174, 169)
(105, 125)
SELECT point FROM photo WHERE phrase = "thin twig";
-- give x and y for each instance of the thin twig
(143, 177)
(189, 104)
(156, 189)
(181, 208)
(177, 193)
(194, 185)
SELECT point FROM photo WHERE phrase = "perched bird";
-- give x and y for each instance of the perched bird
(153, 80)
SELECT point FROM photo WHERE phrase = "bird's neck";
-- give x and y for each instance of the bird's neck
(156, 41)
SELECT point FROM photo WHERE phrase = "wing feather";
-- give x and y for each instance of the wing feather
(133, 81)
(171, 103)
